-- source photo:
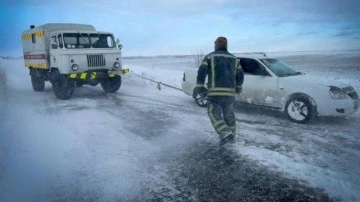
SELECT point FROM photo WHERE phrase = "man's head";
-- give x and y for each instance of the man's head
(221, 42)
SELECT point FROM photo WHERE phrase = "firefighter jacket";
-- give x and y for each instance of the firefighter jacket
(224, 73)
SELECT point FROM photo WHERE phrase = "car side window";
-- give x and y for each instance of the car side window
(251, 66)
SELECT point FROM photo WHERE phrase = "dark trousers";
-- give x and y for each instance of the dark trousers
(221, 114)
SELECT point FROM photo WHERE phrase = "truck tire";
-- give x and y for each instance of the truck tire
(63, 87)
(79, 83)
(37, 79)
(111, 84)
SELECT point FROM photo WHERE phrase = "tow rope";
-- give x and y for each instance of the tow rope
(158, 83)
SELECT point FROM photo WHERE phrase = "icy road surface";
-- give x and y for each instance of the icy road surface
(142, 144)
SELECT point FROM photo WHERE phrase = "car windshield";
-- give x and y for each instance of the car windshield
(279, 68)
(84, 40)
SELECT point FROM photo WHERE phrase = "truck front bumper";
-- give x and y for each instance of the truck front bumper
(97, 74)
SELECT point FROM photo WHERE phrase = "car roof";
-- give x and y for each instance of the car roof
(255, 55)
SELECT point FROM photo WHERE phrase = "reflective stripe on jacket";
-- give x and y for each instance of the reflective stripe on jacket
(224, 73)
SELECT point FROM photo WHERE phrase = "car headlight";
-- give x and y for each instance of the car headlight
(337, 93)
(116, 64)
(74, 67)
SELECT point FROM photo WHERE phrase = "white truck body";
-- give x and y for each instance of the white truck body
(75, 54)
(36, 42)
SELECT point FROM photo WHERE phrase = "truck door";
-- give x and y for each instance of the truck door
(56, 45)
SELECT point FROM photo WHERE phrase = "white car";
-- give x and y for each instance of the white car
(271, 83)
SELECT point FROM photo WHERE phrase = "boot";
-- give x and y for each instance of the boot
(227, 138)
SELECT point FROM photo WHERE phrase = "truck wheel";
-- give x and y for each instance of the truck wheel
(37, 80)
(79, 83)
(63, 87)
(111, 84)
(299, 109)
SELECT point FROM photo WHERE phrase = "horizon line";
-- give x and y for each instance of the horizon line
(187, 55)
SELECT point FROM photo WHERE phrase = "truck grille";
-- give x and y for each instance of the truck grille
(95, 60)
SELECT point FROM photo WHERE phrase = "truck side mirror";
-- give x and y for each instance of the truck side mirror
(120, 46)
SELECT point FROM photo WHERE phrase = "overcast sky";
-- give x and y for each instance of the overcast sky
(167, 27)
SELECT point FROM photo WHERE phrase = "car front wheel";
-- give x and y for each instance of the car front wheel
(299, 109)
(201, 99)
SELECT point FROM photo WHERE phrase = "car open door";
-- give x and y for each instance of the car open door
(259, 86)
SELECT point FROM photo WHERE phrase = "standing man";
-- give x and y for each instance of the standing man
(225, 78)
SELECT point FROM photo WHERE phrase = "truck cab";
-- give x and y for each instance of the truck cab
(70, 55)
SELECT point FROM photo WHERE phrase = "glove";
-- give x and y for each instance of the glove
(238, 89)
(200, 90)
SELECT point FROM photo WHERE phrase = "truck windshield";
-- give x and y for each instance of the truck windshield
(84, 40)
(279, 68)
(102, 41)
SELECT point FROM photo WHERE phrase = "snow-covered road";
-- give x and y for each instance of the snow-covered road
(142, 144)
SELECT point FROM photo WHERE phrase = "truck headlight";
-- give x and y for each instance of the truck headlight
(337, 93)
(116, 64)
(74, 67)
